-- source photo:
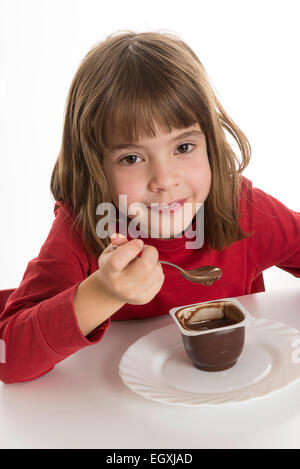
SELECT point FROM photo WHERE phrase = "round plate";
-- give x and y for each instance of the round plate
(156, 367)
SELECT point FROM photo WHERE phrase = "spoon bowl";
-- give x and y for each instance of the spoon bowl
(206, 274)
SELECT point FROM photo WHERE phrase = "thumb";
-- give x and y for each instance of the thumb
(118, 239)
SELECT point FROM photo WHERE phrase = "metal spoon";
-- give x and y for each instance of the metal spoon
(206, 275)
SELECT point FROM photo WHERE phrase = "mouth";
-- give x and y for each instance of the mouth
(166, 207)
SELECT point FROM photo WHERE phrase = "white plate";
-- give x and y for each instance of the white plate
(156, 366)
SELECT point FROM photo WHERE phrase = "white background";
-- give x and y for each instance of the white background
(250, 50)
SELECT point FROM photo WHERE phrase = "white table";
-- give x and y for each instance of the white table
(83, 402)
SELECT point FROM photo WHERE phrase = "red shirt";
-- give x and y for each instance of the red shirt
(39, 326)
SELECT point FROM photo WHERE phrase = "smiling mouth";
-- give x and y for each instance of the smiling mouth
(164, 207)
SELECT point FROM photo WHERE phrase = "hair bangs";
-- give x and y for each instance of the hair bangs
(138, 106)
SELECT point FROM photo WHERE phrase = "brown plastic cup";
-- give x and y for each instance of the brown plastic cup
(213, 332)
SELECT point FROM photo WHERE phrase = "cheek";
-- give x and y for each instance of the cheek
(200, 180)
(125, 186)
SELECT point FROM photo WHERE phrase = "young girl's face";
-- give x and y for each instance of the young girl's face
(170, 167)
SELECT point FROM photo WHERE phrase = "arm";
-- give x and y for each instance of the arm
(93, 303)
(39, 325)
(276, 238)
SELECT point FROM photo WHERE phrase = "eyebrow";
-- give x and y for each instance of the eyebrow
(190, 133)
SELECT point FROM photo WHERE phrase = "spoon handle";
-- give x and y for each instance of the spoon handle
(162, 262)
(173, 265)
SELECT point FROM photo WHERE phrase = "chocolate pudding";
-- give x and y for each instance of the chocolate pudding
(213, 349)
(209, 315)
(211, 324)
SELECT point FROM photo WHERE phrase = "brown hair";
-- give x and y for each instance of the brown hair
(130, 81)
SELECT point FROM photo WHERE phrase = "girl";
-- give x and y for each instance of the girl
(141, 121)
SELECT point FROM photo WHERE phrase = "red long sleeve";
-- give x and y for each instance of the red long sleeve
(276, 239)
(38, 325)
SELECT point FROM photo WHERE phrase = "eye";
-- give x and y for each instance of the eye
(131, 160)
(186, 145)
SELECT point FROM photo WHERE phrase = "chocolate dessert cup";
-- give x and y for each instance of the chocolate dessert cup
(213, 332)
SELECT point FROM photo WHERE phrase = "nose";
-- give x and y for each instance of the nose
(162, 177)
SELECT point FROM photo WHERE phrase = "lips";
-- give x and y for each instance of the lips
(166, 207)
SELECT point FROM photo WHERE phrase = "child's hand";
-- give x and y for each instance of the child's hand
(131, 280)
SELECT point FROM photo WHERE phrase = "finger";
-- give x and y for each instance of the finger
(151, 290)
(118, 239)
(122, 256)
(145, 263)
(150, 253)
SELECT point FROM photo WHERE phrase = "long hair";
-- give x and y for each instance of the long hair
(130, 81)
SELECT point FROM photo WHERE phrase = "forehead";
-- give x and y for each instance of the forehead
(118, 141)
